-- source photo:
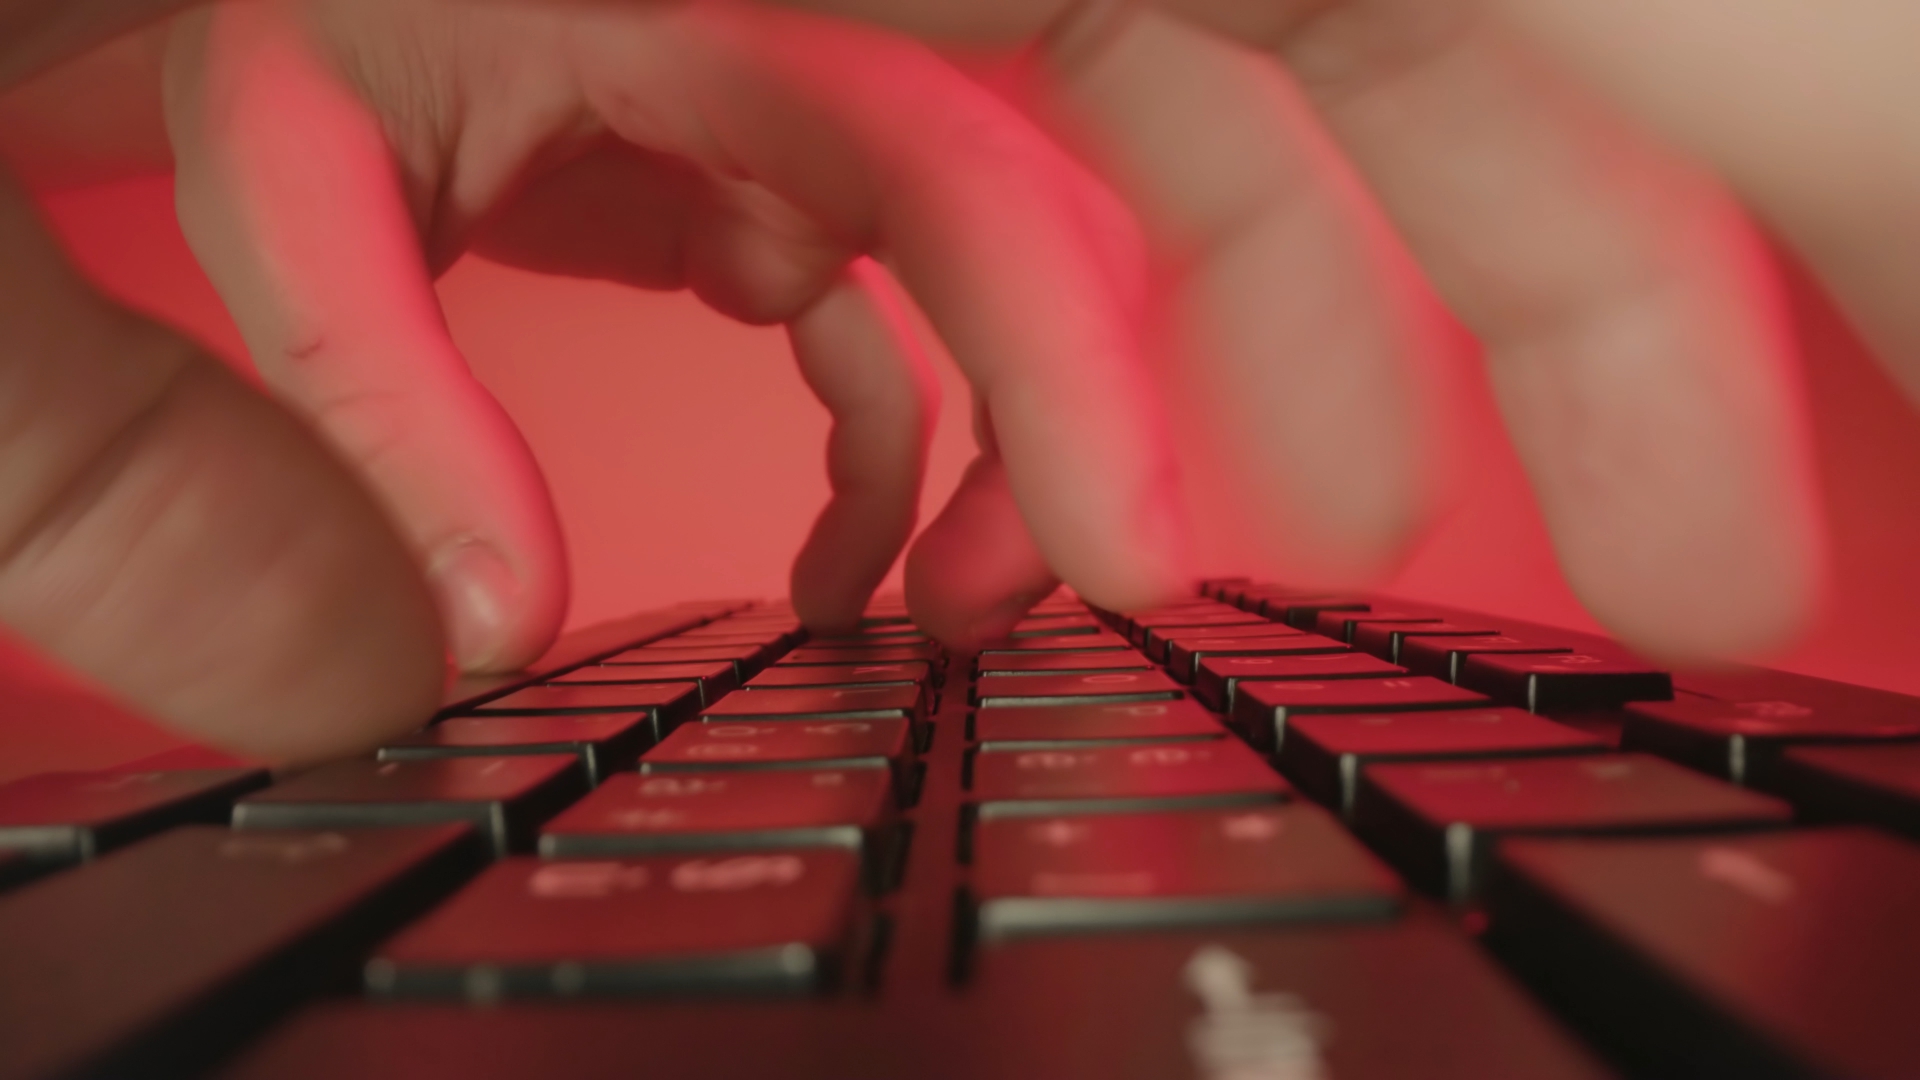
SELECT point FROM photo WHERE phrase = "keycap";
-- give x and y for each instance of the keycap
(15, 868)
(754, 923)
(787, 628)
(1743, 740)
(878, 654)
(1143, 628)
(1106, 686)
(158, 958)
(1052, 625)
(1217, 677)
(61, 818)
(1058, 643)
(1362, 1001)
(1040, 727)
(746, 659)
(1324, 754)
(713, 678)
(664, 704)
(1879, 784)
(1078, 663)
(741, 810)
(908, 702)
(1385, 640)
(1184, 654)
(1287, 863)
(1439, 822)
(1441, 655)
(1564, 680)
(1161, 642)
(1303, 613)
(1261, 709)
(505, 798)
(1757, 955)
(835, 744)
(872, 637)
(1339, 625)
(904, 673)
(1108, 779)
(604, 743)
(761, 639)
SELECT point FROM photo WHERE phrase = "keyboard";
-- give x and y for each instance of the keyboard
(1260, 834)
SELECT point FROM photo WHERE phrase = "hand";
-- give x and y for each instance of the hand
(1628, 317)
(333, 156)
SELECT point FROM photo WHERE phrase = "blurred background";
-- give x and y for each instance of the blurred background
(687, 459)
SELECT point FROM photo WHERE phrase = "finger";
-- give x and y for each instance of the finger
(184, 542)
(1310, 339)
(976, 570)
(1630, 324)
(1022, 264)
(289, 197)
(858, 353)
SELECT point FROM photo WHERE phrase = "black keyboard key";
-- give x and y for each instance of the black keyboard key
(754, 923)
(1387, 640)
(1053, 625)
(746, 659)
(664, 704)
(1324, 754)
(1157, 627)
(58, 819)
(1104, 687)
(784, 630)
(713, 678)
(906, 702)
(1118, 779)
(1339, 625)
(1564, 680)
(1058, 643)
(727, 811)
(1217, 678)
(604, 743)
(1438, 823)
(907, 672)
(1360, 1001)
(761, 639)
(1184, 654)
(1261, 709)
(1771, 955)
(1304, 613)
(1041, 727)
(1879, 784)
(1441, 655)
(871, 654)
(1287, 863)
(505, 798)
(158, 958)
(833, 744)
(1743, 740)
(872, 638)
(1064, 663)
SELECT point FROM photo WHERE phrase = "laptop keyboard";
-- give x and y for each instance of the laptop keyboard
(1257, 835)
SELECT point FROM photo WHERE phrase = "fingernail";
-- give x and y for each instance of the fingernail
(478, 594)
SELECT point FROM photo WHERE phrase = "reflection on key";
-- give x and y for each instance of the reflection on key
(1193, 868)
(1362, 1001)
(1216, 678)
(1041, 727)
(755, 923)
(741, 809)
(1743, 740)
(1098, 688)
(1325, 753)
(1565, 680)
(57, 819)
(1111, 779)
(1773, 954)
(506, 798)
(833, 744)
(1261, 709)
(873, 702)
(604, 743)
(1438, 823)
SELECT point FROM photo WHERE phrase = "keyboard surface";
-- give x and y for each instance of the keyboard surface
(1257, 835)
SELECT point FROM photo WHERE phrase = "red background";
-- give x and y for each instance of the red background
(686, 457)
